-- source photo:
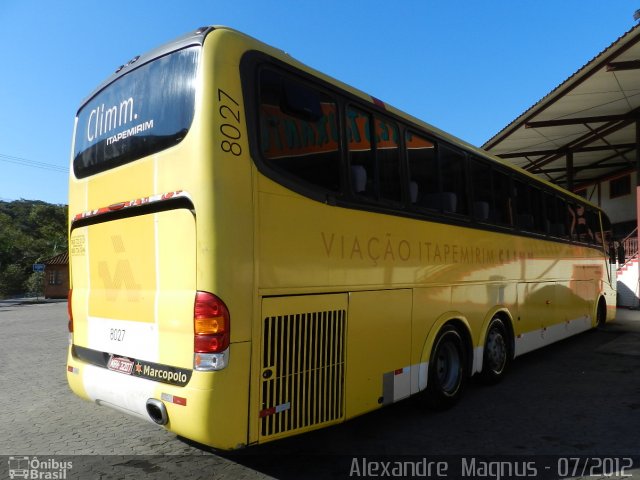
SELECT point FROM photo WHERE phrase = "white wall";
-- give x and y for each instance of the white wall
(619, 209)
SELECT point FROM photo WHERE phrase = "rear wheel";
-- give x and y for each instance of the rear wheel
(495, 358)
(447, 369)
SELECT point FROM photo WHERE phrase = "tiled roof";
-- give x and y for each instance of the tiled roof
(60, 259)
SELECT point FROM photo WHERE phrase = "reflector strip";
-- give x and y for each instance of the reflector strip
(74, 370)
(396, 385)
(132, 203)
(174, 399)
(273, 410)
(266, 412)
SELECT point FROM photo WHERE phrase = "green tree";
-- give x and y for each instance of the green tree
(12, 280)
(30, 231)
(35, 284)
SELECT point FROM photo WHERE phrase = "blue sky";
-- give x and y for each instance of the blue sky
(467, 67)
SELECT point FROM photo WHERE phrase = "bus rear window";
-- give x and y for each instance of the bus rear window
(145, 111)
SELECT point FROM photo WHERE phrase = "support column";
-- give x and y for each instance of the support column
(637, 196)
(638, 151)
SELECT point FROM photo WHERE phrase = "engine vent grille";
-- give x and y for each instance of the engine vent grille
(302, 371)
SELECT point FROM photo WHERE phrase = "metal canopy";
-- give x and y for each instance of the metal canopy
(586, 129)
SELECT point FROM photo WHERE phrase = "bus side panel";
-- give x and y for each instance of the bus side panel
(552, 311)
(429, 304)
(534, 305)
(610, 294)
(378, 349)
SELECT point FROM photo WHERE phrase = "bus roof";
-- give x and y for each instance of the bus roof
(195, 37)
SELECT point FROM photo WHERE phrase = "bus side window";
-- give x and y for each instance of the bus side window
(580, 228)
(481, 191)
(524, 215)
(537, 209)
(550, 213)
(608, 232)
(299, 131)
(454, 185)
(593, 224)
(361, 155)
(552, 225)
(564, 219)
(423, 171)
(502, 199)
(387, 152)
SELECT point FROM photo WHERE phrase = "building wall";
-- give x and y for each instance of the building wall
(628, 285)
(56, 281)
(619, 209)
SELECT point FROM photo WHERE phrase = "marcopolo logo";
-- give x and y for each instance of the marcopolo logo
(162, 373)
(35, 468)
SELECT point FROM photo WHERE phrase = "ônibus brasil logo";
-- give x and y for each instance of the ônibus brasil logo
(35, 468)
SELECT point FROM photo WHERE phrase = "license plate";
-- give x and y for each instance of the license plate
(119, 364)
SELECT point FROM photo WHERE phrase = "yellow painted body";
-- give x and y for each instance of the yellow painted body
(376, 287)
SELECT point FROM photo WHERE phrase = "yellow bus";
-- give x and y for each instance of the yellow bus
(258, 250)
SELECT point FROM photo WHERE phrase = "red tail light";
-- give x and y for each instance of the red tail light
(211, 323)
(70, 311)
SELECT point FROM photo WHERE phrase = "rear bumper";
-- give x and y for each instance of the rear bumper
(211, 409)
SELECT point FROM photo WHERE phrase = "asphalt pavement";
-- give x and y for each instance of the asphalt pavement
(579, 398)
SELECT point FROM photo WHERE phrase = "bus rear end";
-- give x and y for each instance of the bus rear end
(147, 334)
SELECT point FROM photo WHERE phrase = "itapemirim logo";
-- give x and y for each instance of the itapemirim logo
(40, 469)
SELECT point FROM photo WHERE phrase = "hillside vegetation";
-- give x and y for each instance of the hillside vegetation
(30, 231)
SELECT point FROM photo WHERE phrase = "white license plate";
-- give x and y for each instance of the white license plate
(119, 364)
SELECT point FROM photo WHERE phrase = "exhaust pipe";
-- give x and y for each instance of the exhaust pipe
(157, 411)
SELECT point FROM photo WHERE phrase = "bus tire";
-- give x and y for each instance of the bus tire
(495, 357)
(447, 369)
